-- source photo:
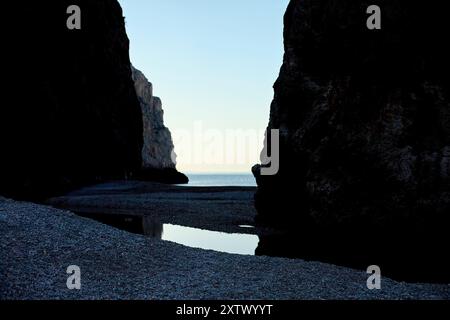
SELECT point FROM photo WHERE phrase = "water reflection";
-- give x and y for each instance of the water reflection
(211, 240)
(396, 259)
(152, 226)
(396, 254)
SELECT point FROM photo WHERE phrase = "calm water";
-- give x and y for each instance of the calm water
(221, 180)
(238, 243)
(402, 266)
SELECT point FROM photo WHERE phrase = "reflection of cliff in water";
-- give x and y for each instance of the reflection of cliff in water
(147, 225)
(152, 226)
(396, 256)
(395, 253)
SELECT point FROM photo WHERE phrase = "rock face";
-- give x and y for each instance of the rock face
(158, 149)
(70, 114)
(158, 156)
(364, 120)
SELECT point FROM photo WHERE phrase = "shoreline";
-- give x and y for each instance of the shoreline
(39, 242)
(221, 209)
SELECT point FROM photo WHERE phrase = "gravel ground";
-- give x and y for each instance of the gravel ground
(38, 243)
(213, 208)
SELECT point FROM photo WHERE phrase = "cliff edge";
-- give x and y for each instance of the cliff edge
(364, 120)
(70, 114)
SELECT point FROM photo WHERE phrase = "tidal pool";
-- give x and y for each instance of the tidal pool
(237, 243)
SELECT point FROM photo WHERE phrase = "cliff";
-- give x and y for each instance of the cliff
(364, 120)
(158, 155)
(70, 114)
(158, 149)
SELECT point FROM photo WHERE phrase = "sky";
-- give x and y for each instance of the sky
(213, 64)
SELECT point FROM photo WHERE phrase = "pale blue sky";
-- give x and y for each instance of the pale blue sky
(210, 61)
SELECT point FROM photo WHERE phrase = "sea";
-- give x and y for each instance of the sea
(221, 180)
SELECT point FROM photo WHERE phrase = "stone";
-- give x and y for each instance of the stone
(364, 120)
(158, 148)
(70, 114)
(158, 155)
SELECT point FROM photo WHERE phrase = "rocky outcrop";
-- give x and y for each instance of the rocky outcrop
(158, 149)
(70, 115)
(158, 155)
(364, 120)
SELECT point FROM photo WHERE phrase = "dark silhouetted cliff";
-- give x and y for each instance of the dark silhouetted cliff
(70, 115)
(364, 119)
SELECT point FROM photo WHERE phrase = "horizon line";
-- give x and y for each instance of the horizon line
(218, 173)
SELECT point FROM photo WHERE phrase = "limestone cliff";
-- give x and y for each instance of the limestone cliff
(158, 155)
(158, 149)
